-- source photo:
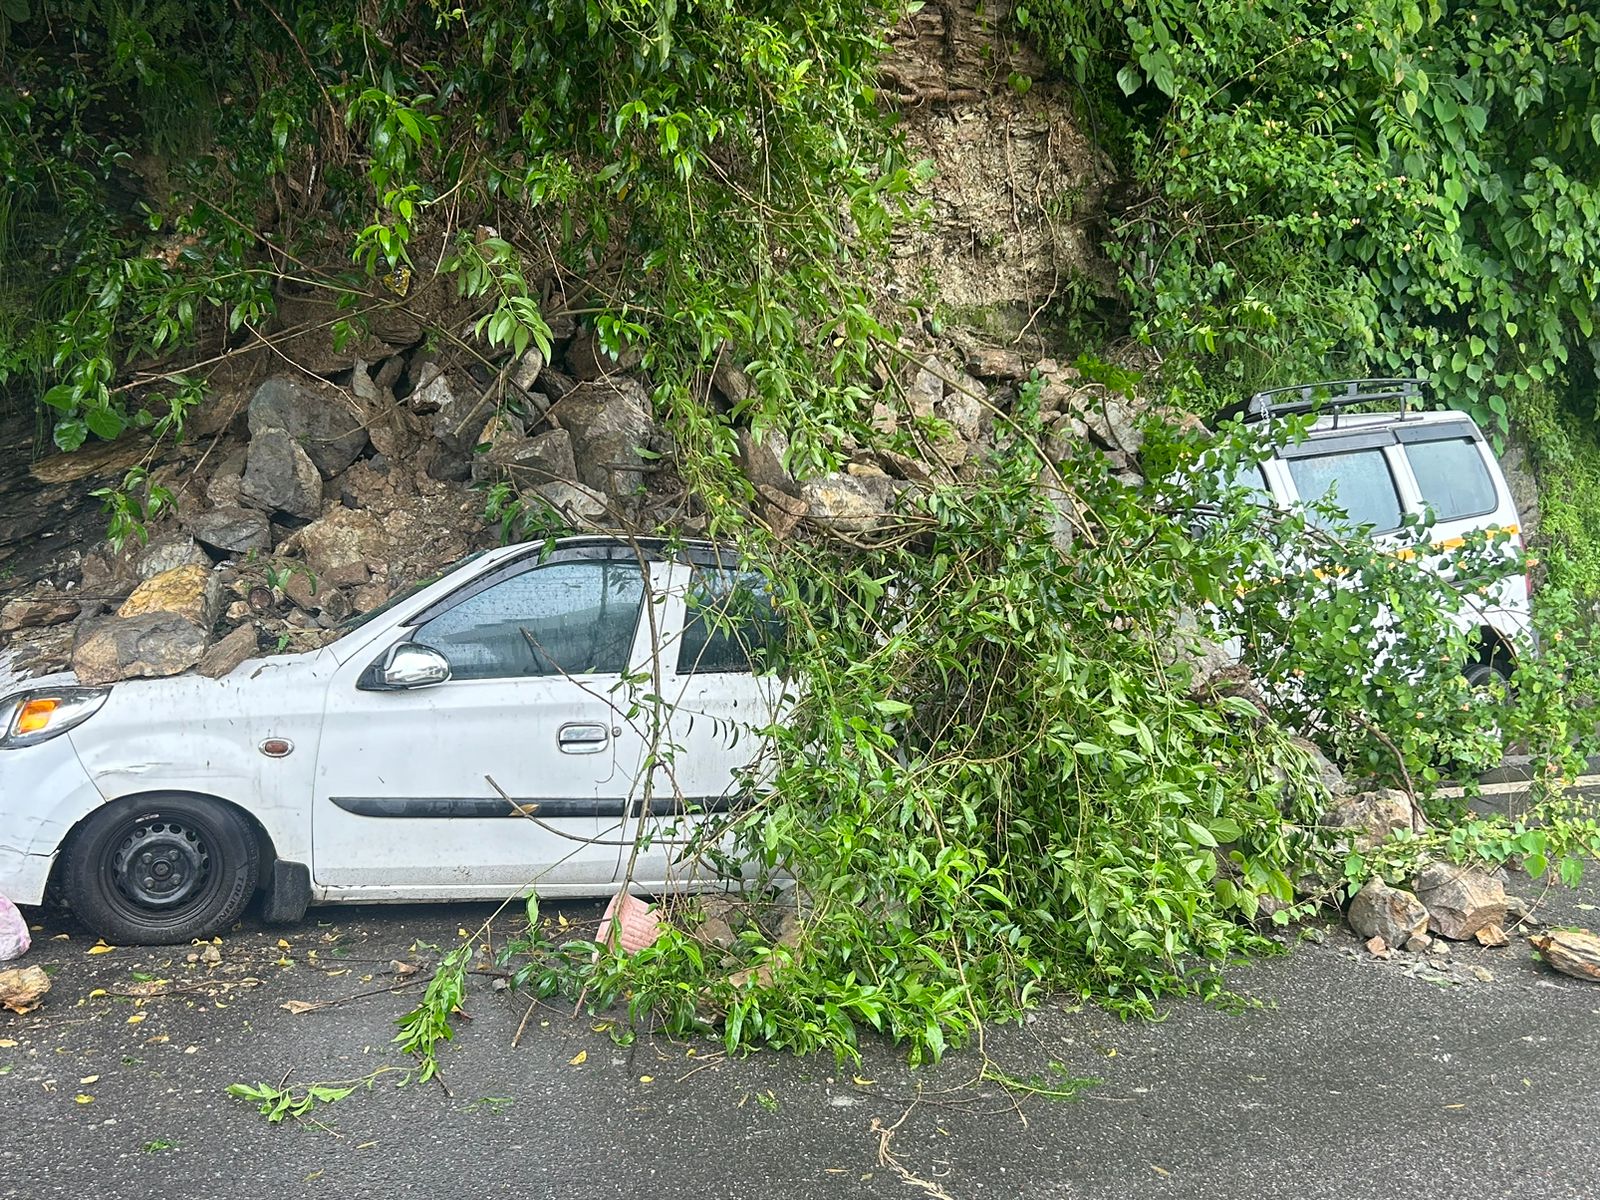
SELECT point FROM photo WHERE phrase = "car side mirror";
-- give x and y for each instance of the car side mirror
(405, 666)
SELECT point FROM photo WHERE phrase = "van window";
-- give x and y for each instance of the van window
(1358, 481)
(1452, 478)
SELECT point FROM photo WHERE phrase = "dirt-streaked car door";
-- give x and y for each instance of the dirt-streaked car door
(538, 654)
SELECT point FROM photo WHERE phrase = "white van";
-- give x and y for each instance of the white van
(1381, 466)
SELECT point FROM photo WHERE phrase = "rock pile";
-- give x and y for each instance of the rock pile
(324, 479)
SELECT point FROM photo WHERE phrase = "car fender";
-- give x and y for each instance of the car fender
(249, 738)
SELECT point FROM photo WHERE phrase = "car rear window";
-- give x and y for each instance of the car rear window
(1357, 481)
(729, 623)
(1452, 478)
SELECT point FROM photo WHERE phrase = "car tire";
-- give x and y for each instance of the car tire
(1484, 674)
(161, 870)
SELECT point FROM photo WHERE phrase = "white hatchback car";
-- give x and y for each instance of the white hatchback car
(1381, 467)
(373, 769)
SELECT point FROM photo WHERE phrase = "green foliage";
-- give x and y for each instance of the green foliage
(426, 1027)
(1004, 776)
(1354, 186)
(688, 177)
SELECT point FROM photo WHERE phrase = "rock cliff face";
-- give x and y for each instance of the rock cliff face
(1013, 204)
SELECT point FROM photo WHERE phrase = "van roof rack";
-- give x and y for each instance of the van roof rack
(1329, 395)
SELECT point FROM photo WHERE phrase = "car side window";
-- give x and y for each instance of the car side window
(728, 624)
(1452, 478)
(1357, 481)
(562, 618)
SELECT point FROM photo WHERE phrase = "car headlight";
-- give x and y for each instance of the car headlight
(38, 716)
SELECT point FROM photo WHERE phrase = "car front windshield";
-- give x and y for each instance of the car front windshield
(356, 622)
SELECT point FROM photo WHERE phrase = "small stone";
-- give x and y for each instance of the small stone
(1378, 948)
(526, 373)
(1574, 952)
(1492, 935)
(1418, 943)
(714, 931)
(1481, 974)
(168, 552)
(996, 362)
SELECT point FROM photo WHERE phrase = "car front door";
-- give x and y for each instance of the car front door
(409, 786)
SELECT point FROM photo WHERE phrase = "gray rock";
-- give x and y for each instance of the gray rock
(222, 489)
(144, 647)
(1328, 775)
(762, 461)
(45, 608)
(731, 381)
(280, 477)
(168, 552)
(927, 387)
(318, 416)
(1460, 900)
(579, 506)
(589, 362)
(962, 407)
(526, 373)
(1379, 910)
(239, 646)
(456, 408)
(232, 530)
(556, 385)
(1371, 816)
(610, 424)
(1113, 423)
(530, 462)
(849, 503)
(996, 362)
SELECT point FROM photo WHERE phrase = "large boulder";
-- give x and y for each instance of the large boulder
(1393, 914)
(763, 461)
(610, 423)
(579, 506)
(1370, 817)
(1461, 900)
(318, 416)
(143, 647)
(232, 530)
(190, 591)
(280, 477)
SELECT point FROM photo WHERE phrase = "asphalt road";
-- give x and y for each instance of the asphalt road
(1349, 1078)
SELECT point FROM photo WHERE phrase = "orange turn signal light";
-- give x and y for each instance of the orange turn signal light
(35, 715)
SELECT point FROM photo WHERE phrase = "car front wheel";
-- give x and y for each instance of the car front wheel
(155, 870)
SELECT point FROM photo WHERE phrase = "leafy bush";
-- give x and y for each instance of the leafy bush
(1353, 187)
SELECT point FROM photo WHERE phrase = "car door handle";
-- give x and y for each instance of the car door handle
(583, 739)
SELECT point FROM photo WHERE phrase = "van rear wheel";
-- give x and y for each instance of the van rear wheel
(161, 870)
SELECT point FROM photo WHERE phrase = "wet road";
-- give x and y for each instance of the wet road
(1347, 1077)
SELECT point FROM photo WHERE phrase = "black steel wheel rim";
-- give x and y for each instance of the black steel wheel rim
(160, 865)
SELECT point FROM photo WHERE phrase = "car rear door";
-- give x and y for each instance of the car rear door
(406, 802)
(709, 752)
